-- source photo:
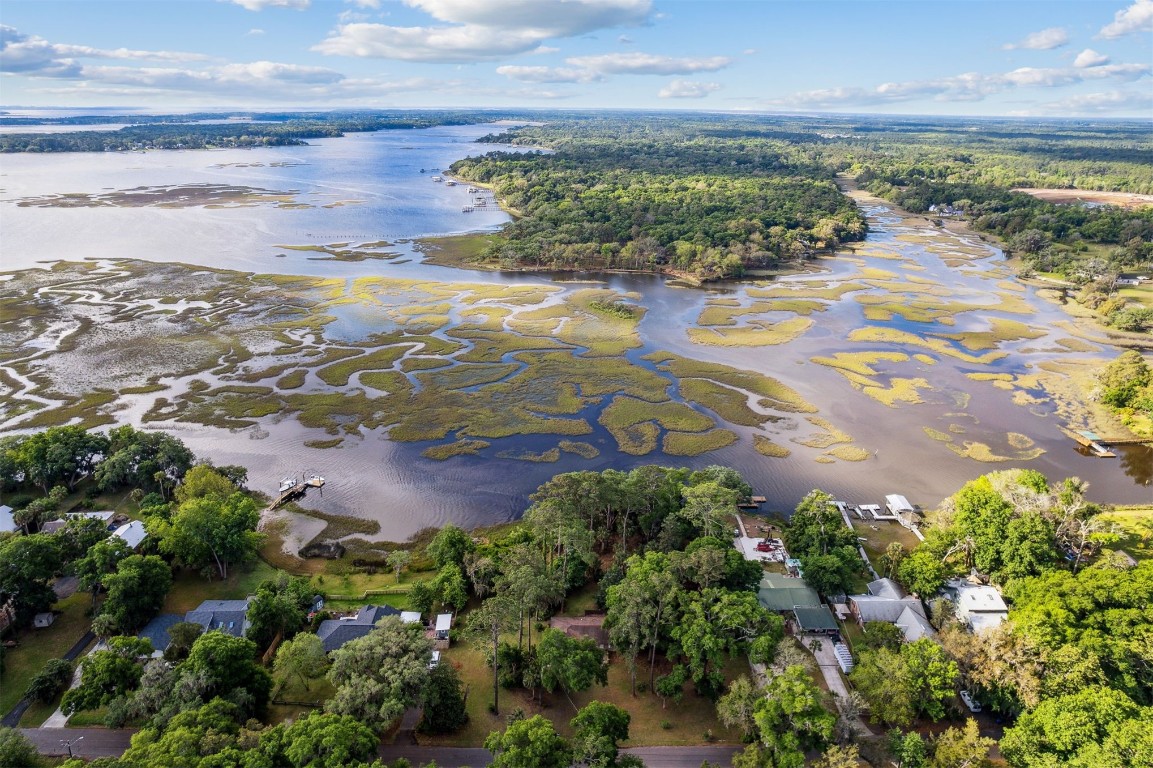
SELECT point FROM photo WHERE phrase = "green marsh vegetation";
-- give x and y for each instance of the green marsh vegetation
(521, 360)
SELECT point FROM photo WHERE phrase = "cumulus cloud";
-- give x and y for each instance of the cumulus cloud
(32, 55)
(260, 5)
(971, 86)
(687, 89)
(265, 81)
(431, 44)
(1045, 40)
(553, 18)
(549, 74)
(647, 64)
(482, 30)
(1090, 58)
(254, 32)
(1136, 18)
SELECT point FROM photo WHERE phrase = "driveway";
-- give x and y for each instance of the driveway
(830, 670)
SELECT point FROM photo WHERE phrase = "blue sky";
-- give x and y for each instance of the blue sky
(968, 57)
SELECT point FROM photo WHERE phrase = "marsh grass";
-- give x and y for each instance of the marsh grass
(584, 450)
(458, 448)
(763, 335)
(779, 396)
(624, 412)
(728, 403)
(696, 443)
(766, 447)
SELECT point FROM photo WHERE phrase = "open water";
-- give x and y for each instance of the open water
(376, 192)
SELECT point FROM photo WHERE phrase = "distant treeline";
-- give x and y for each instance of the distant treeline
(660, 194)
(191, 132)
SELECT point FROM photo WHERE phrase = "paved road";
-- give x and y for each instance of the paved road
(86, 742)
(98, 742)
(12, 719)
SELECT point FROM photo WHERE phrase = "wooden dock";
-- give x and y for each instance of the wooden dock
(298, 491)
(1095, 444)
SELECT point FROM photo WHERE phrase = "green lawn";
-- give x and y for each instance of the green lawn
(688, 721)
(887, 532)
(37, 646)
(190, 589)
(1136, 528)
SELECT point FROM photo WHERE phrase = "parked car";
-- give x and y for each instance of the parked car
(765, 546)
(970, 702)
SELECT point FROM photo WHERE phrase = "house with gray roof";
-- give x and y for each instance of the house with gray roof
(229, 616)
(334, 633)
(156, 631)
(889, 603)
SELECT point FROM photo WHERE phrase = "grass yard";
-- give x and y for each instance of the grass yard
(37, 646)
(190, 589)
(885, 534)
(1136, 530)
(687, 722)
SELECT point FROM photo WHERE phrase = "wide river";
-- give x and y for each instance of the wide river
(365, 188)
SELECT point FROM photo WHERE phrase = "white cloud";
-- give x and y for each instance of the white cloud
(647, 64)
(213, 82)
(549, 74)
(552, 18)
(254, 32)
(1109, 102)
(1136, 18)
(749, 51)
(687, 89)
(432, 44)
(482, 30)
(365, 3)
(260, 5)
(1090, 58)
(1045, 40)
(971, 86)
(31, 55)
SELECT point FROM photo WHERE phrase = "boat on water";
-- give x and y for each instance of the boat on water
(287, 484)
(437, 178)
(450, 183)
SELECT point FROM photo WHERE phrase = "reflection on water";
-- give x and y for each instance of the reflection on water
(1137, 461)
(386, 198)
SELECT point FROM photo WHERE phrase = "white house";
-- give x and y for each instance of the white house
(7, 521)
(980, 607)
(133, 533)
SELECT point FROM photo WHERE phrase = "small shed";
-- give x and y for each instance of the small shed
(42, 620)
(817, 619)
(410, 617)
(590, 625)
(440, 637)
(434, 662)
